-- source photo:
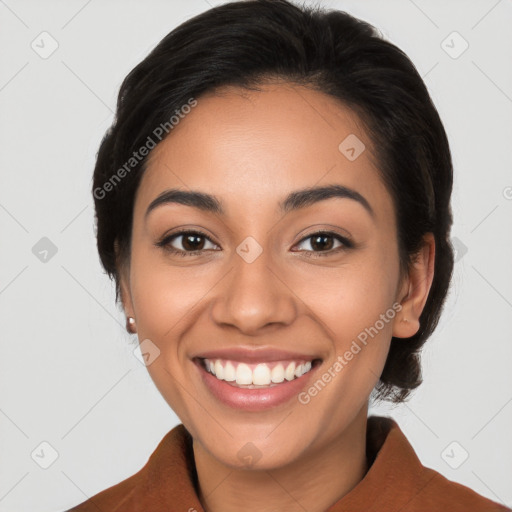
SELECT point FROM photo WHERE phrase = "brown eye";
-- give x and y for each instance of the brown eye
(190, 241)
(324, 242)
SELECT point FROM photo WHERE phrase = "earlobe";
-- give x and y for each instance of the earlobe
(127, 305)
(130, 325)
(419, 282)
(125, 293)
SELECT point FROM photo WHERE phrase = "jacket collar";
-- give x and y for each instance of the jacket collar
(396, 475)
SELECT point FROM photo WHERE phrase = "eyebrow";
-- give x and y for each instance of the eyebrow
(294, 201)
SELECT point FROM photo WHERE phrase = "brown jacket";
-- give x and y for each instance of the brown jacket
(396, 481)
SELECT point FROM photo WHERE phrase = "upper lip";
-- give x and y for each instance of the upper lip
(254, 355)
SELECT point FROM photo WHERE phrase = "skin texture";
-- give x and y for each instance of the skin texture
(250, 149)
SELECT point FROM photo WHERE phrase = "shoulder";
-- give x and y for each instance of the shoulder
(435, 491)
(406, 482)
(114, 497)
(165, 476)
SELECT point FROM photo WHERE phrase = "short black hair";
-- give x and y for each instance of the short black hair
(245, 44)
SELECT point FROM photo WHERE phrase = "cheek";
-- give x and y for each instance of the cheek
(164, 295)
(358, 311)
(356, 304)
(353, 296)
(361, 320)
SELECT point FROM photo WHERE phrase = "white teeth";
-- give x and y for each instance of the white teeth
(289, 373)
(278, 373)
(219, 370)
(243, 374)
(262, 375)
(229, 372)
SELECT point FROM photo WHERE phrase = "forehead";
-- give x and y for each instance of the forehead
(254, 147)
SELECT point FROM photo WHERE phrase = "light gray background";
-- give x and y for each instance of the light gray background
(68, 375)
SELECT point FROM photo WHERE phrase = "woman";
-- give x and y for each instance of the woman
(273, 202)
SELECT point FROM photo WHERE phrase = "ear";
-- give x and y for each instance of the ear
(415, 289)
(123, 269)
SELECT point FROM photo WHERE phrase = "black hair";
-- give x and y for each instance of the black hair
(246, 43)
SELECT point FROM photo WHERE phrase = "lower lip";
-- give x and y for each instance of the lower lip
(254, 399)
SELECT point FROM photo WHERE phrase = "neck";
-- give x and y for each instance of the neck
(314, 482)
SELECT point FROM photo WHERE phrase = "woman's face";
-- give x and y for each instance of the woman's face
(260, 281)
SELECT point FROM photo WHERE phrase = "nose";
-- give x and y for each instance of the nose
(254, 296)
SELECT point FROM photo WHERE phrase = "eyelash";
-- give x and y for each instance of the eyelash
(164, 243)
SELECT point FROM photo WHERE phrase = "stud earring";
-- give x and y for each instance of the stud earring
(130, 325)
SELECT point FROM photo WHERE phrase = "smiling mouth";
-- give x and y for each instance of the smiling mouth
(257, 375)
